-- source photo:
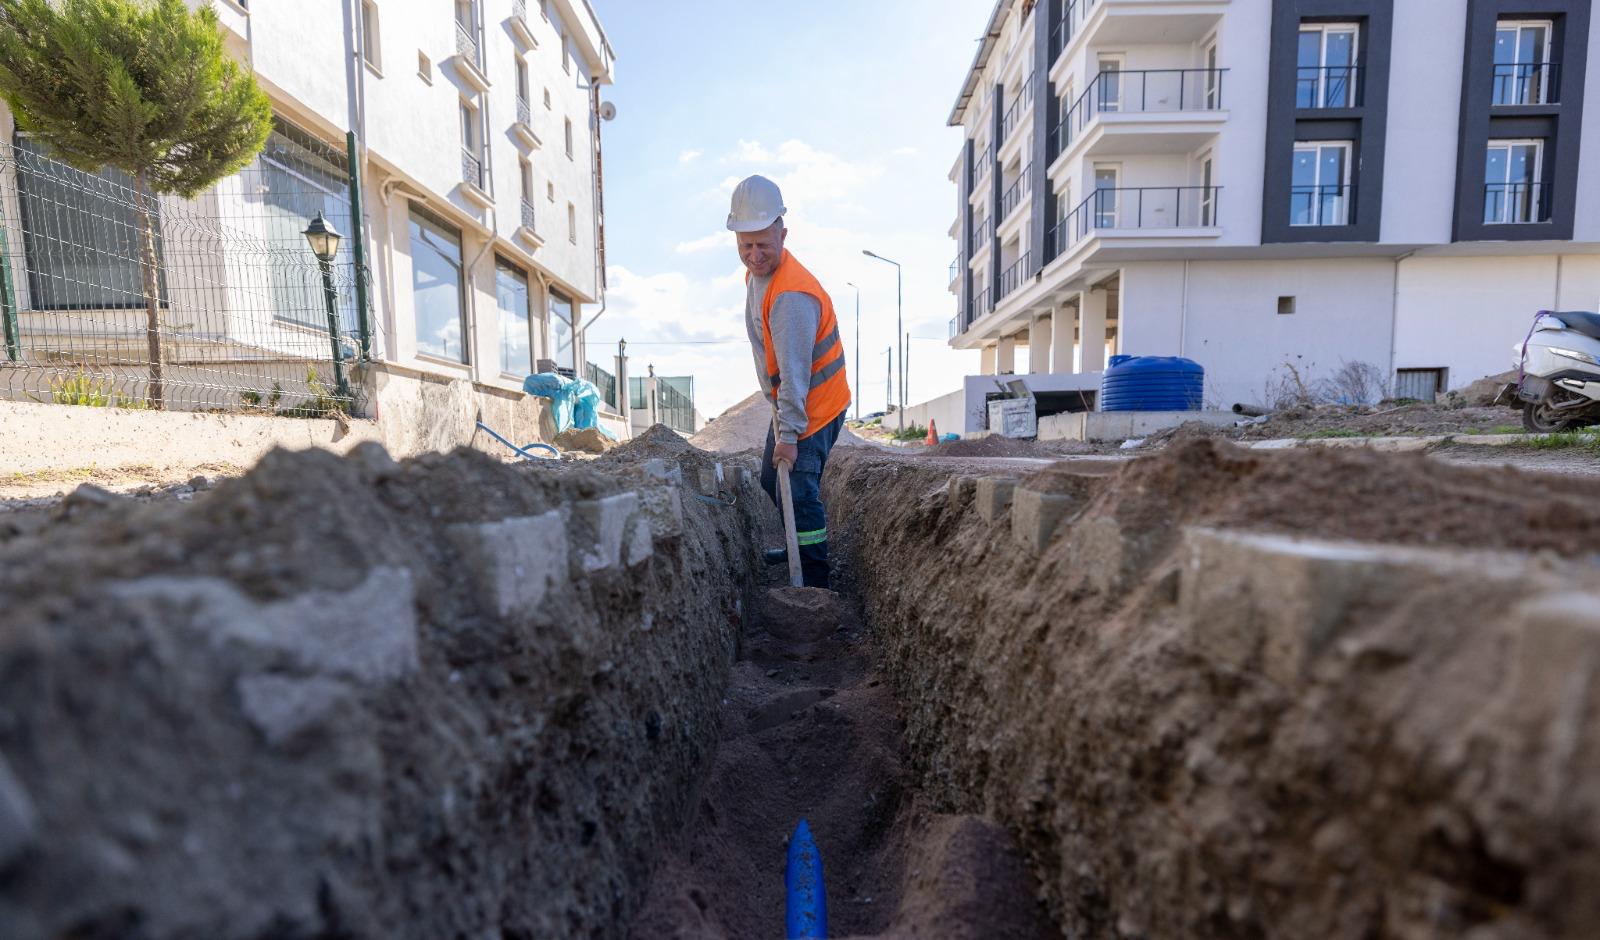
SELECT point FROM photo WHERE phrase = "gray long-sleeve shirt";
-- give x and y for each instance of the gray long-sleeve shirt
(794, 321)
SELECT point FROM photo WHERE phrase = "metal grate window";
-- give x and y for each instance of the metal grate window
(1421, 384)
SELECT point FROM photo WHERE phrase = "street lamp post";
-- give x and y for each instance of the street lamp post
(858, 346)
(898, 329)
(324, 241)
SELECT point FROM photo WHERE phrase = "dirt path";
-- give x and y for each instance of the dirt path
(810, 730)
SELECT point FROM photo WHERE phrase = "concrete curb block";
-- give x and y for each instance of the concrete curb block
(1396, 444)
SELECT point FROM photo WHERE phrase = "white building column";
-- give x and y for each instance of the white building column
(1064, 322)
(1092, 342)
(1006, 356)
(1039, 343)
(987, 362)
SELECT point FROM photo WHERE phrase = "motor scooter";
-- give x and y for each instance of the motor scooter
(1558, 372)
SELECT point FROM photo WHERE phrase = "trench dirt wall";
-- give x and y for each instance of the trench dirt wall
(1223, 694)
(345, 697)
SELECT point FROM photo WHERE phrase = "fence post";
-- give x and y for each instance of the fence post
(8, 298)
(358, 249)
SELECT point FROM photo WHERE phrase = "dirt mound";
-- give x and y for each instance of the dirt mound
(1198, 733)
(1386, 421)
(994, 445)
(740, 428)
(586, 440)
(354, 697)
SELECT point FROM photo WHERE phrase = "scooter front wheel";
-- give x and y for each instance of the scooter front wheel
(1542, 419)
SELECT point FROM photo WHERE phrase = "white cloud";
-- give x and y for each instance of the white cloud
(705, 243)
(904, 152)
(689, 156)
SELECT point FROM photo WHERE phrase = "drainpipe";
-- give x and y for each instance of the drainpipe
(1394, 312)
(597, 206)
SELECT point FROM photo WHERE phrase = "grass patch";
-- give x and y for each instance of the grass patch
(1567, 440)
(912, 432)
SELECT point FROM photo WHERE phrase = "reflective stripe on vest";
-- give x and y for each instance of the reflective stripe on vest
(828, 391)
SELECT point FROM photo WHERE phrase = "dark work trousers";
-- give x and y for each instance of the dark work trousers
(805, 485)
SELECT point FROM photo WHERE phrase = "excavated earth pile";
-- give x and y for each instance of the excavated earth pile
(354, 698)
(1218, 693)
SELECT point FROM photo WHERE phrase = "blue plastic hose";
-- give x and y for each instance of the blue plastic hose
(806, 901)
(523, 450)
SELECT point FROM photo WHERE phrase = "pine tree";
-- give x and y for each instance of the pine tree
(144, 86)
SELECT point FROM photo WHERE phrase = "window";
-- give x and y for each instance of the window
(436, 286)
(1208, 195)
(1109, 97)
(1327, 59)
(424, 68)
(1105, 197)
(471, 139)
(572, 223)
(561, 335)
(370, 49)
(566, 55)
(547, 98)
(525, 174)
(516, 329)
(569, 138)
(1513, 190)
(1522, 64)
(1420, 384)
(81, 235)
(1285, 305)
(522, 81)
(300, 176)
(1213, 76)
(544, 9)
(1320, 184)
(550, 191)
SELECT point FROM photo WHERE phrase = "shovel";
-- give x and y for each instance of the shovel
(791, 541)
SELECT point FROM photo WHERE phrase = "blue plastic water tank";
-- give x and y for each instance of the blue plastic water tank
(1152, 383)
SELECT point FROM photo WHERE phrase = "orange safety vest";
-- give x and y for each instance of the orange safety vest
(830, 393)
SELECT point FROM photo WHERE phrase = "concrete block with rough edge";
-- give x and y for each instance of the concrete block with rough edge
(19, 823)
(992, 496)
(514, 563)
(1551, 695)
(608, 523)
(959, 489)
(1035, 516)
(662, 469)
(663, 508)
(367, 633)
(1100, 555)
(639, 545)
(284, 707)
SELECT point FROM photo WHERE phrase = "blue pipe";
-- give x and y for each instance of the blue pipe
(521, 450)
(806, 899)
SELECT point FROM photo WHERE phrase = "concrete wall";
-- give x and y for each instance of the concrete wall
(1465, 314)
(949, 412)
(1419, 165)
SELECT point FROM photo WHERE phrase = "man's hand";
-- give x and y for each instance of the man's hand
(785, 454)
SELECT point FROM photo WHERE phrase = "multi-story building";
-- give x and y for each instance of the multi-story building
(1258, 185)
(473, 129)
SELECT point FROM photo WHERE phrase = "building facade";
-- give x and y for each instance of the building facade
(1278, 189)
(472, 128)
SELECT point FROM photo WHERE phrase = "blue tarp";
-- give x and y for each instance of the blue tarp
(576, 401)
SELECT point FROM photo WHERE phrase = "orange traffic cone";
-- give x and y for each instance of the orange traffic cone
(933, 434)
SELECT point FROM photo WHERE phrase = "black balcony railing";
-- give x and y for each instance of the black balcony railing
(1018, 110)
(1012, 197)
(981, 164)
(1515, 203)
(529, 218)
(1322, 205)
(1527, 83)
(1136, 92)
(1011, 277)
(955, 326)
(1331, 86)
(471, 168)
(981, 231)
(1135, 207)
(955, 269)
(524, 113)
(467, 45)
(1073, 13)
(982, 303)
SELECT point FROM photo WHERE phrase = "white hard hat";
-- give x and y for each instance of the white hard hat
(756, 205)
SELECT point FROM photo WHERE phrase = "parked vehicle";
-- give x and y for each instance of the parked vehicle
(1558, 364)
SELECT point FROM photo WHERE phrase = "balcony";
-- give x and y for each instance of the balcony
(981, 164)
(1017, 112)
(1011, 277)
(1128, 23)
(1515, 203)
(1322, 205)
(524, 126)
(1332, 86)
(1167, 110)
(955, 272)
(982, 303)
(1152, 211)
(519, 25)
(1528, 83)
(472, 179)
(1072, 17)
(982, 232)
(469, 56)
(1013, 195)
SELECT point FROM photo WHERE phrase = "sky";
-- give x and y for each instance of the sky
(844, 104)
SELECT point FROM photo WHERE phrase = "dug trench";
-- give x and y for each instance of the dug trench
(1200, 694)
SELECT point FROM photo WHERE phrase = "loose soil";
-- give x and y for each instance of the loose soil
(809, 730)
(743, 427)
(1418, 420)
(1159, 789)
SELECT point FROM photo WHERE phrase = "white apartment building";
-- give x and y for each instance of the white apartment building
(475, 128)
(1257, 184)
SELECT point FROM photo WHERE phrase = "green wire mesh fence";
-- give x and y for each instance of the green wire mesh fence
(242, 307)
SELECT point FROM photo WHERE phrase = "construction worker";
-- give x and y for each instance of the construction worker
(799, 361)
